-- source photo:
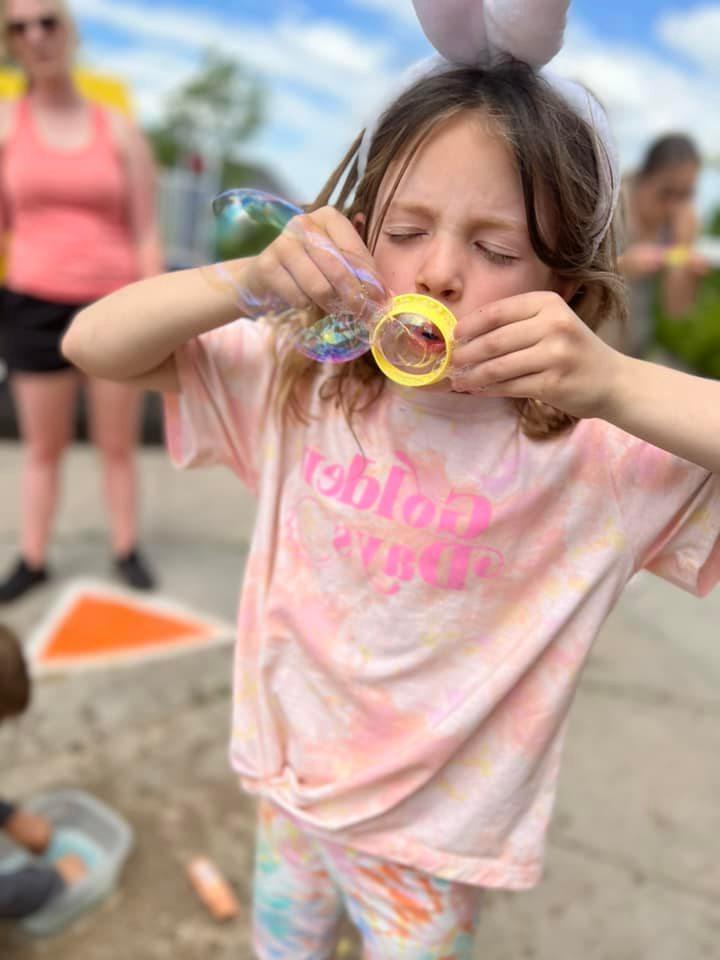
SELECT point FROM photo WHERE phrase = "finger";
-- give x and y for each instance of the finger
(523, 363)
(497, 343)
(331, 231)
(342, 233)
(311, 281)
(340, 273)
(341, 276)
(522, 388)
(500, 313)
(289, 290)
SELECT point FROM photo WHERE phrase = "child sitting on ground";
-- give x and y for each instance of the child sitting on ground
(28, 889)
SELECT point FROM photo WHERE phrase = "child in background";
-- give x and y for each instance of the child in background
(430, 567)
(24, 891)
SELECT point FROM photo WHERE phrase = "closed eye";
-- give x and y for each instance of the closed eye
(502, 259)
(401, 237)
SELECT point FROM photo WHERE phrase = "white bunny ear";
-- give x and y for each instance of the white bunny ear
(479, 32)
(456, 28)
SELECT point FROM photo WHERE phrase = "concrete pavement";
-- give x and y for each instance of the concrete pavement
(634, 852)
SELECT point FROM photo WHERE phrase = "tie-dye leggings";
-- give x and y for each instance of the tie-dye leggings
(303, 884)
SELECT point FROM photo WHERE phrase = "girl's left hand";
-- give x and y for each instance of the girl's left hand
(534, 345)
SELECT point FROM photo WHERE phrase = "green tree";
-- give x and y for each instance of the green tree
(695, 339)
(714, 225)
(216, 111)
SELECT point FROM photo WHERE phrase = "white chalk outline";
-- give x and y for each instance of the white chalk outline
(220, 632)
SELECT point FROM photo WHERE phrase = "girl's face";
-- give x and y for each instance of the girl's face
(39, 37)
(456, 229)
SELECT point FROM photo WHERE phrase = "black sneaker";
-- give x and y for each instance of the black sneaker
(22, 579)
(134, 571)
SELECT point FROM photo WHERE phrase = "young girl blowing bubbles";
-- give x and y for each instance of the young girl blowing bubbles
(429, 567)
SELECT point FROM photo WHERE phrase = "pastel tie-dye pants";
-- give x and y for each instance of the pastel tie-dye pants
(302, 886)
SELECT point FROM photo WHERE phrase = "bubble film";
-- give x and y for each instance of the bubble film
(342, 335)
(410, 336)
(260, 207)
(337, 338)
(345, 333)
(411, 343)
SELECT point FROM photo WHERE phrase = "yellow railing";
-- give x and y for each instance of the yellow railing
(98, 87)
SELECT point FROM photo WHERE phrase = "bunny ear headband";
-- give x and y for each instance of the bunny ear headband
(480, 33)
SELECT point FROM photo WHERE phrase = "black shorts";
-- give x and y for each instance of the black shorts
(31, 330)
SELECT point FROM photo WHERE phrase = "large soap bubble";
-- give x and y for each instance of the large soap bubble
(410, 336)
(344, 334)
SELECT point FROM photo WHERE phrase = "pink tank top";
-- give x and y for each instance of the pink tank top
(68, 213)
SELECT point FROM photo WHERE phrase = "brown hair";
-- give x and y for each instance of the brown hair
(665, 153)
(555, 153)
(15, 687)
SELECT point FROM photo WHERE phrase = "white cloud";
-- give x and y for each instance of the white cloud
(694, 33)
(647, 95)
(324, 76)
(151, 77)
(321, 74)
(321, 54)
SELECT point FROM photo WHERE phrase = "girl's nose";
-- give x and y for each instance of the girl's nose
(440, 273)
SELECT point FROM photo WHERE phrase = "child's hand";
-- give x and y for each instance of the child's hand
(29, 830)
(71, 868)
(311, 263)
(534, 345)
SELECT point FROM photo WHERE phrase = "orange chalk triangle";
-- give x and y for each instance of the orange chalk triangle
(91, 627)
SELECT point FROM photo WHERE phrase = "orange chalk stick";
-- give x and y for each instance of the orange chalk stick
(213, 889)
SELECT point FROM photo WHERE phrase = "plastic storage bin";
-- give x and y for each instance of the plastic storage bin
(84, 826)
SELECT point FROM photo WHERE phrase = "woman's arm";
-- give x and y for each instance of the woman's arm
(641, 260)
(680, 283)
(142, 194)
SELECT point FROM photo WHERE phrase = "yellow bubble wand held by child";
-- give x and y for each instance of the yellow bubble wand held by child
(410, 336)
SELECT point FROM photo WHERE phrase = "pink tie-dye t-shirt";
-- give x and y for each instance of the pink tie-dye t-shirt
(420, 599)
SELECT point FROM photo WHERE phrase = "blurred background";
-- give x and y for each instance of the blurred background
(270, 95)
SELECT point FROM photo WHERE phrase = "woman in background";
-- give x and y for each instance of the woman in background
(77, 197)
(660, 210)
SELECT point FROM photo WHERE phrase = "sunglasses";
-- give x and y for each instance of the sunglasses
(18, 28)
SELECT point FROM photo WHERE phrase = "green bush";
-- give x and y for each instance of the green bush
(695, 338)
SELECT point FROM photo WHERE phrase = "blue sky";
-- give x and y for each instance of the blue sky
(653, 62)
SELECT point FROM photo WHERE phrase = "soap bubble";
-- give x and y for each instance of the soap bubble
(247, 221)
(345, 333)
(411, 343)
(337, 338)
(406, 342)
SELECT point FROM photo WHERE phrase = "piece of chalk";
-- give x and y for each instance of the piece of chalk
(213, 889)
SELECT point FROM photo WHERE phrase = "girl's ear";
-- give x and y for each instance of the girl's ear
(566, 288)
(359, 221)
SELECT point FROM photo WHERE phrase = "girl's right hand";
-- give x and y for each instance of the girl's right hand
(313, 262)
